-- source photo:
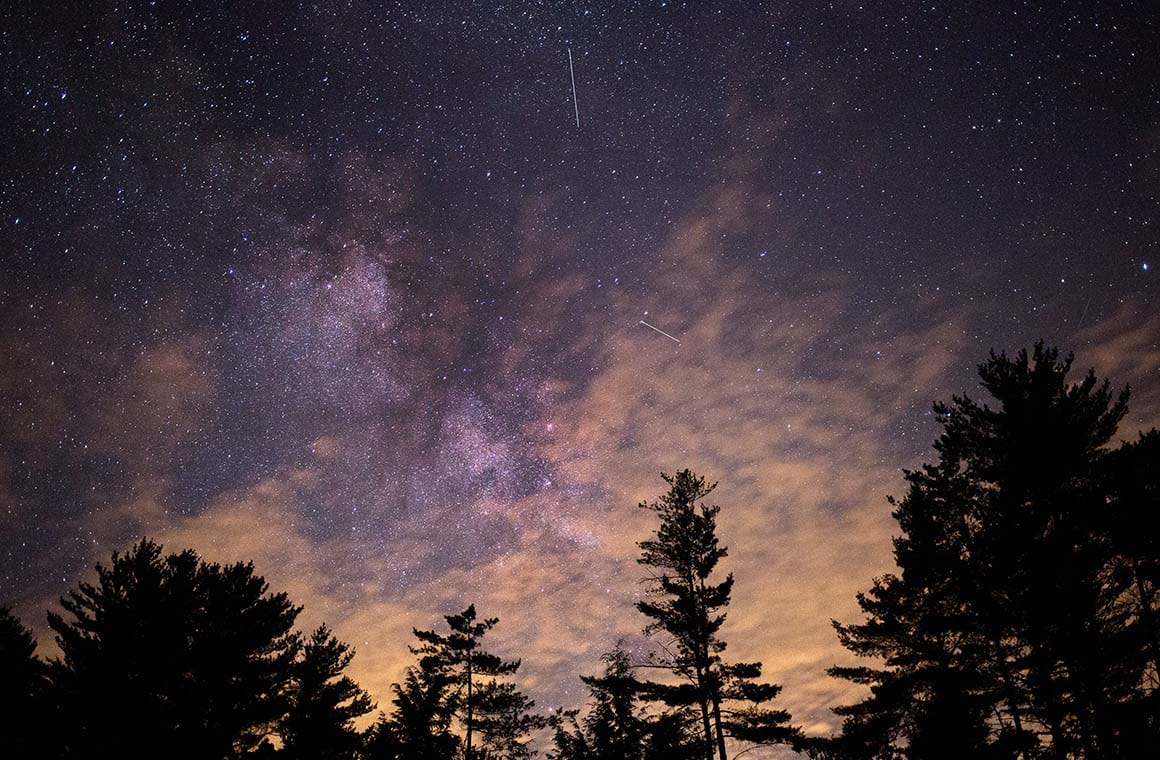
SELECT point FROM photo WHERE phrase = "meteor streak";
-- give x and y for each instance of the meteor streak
(662, 332)
(572, 72)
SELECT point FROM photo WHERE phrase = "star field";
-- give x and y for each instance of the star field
(342, 288)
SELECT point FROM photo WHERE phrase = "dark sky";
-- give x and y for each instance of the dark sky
(343, 288)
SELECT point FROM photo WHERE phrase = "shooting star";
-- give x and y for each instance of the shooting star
(575, 103)
(1083, 316)
(662, 332)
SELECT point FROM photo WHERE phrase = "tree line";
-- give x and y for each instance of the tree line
(1021, 624)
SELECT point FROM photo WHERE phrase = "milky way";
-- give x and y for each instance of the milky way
(347, 291)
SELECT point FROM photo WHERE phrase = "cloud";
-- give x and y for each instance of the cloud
(776, 398)
(550, 615)
(403, 440)
(1126, 348)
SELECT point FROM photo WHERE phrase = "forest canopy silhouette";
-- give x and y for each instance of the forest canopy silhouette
(1021, 622)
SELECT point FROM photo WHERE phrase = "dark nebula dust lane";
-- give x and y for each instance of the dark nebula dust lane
(347, 291)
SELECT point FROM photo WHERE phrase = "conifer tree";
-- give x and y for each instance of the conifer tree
(23, 690)
(495, 717)
(615, 727)
(915, 625)
(569, 741)
(324, 702)
(419, 727)
(1010, 630)
(671, 736)
(1133, 522)
(183, 657)
(688, 606)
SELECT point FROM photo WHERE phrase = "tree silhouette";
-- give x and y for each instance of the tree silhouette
(615, 726)
(23, 690)
(1023, 622)
(916, 626)
(684, 603)
(670, 737)
(170, 654)
(323, 703)
(488, 709)
(1133, 521)
(419, 728)
(1016, 625)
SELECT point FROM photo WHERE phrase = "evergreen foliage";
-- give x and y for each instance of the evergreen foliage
(1018, 625)
(198, 658)
(614, 725)
(1023, 622)
(173, 652)
(420, 726)
(617, 726)
(493, 716)
(687, 605)
(324, 703)
(24, 688)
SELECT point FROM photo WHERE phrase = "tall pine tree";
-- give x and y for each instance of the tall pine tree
(419, 727)
(187, 658)
(686, 603)
(494, 716)
(1015, 627)
(324, 703)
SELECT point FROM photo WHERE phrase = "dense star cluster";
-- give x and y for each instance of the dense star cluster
(342, 288)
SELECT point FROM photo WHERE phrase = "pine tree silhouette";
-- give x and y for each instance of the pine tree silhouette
(615, 724)
(24, 695)
(168, 654)
(419, 728)
(684, 603)
(617, 727)
(1015, 627)
(324, 703)
(494, 715)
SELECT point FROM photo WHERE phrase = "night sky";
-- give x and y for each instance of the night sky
(342, 288)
